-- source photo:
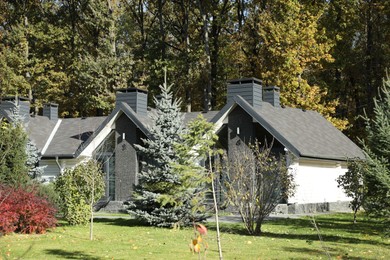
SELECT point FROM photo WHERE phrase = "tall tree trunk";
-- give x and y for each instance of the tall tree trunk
(186, 38)
(207, 69)
(215, 30)
(369, 55)
(162, 29)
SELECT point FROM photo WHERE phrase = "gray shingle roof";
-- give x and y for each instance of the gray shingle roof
(4, 114)
(305, 133)
(71, 133)
(189, 116)
(142, 122)
(39, 129)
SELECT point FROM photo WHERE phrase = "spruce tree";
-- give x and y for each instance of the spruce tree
(33, 157)
(153, 198)
(197, 145)
(377, 150)
(13, 139)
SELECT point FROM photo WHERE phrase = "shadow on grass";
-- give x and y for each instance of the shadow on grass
(329, 230)
(122, 222)
(325, 237)
(343, 223)
(318, 252)
(70, 255)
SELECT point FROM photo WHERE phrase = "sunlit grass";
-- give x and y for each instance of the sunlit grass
(281, 239)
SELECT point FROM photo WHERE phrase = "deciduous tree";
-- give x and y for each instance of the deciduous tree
(257, 181)
(79, 189)
(284, 46)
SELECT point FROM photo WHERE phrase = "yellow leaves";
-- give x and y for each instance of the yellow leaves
(197, 248)
(198, 243)
(287, 33)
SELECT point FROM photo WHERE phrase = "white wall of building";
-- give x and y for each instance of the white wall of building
(54, 167)
(316, 181)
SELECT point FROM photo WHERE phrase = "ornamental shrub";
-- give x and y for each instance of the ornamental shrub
(47, 190)
(79, 189)
(22, 210)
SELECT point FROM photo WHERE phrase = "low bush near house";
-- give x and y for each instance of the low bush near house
(24, 211)
(53, 197)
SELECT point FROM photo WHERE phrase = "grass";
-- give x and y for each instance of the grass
(281, 239)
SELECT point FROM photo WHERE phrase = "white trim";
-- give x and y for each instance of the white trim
(51, 136)
(219, 123)
(97, 140)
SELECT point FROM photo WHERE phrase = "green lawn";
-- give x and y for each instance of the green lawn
(282, 239)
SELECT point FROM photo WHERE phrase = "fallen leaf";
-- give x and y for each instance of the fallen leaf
(201, 229)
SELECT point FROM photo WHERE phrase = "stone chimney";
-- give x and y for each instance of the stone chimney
(272, 95)
(21, 105)
(50, 110)
(137, 99)
(249, 89)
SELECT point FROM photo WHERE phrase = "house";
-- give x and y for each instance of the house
(317, 152)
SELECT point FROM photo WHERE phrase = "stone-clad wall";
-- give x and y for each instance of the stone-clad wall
(126, 163)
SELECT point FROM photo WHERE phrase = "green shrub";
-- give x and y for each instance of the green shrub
(79, 188)
(48, 191)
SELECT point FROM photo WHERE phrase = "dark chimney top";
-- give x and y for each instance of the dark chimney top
(272, 95)
(136, 98)
(248, 88)
(50, 110)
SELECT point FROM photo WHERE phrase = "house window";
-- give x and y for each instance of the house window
(110, 176)
(105, 154)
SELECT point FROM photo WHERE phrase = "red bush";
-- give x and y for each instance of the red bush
(24, 211)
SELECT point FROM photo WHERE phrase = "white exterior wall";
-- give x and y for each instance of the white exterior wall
(316, 181)
(52, 169)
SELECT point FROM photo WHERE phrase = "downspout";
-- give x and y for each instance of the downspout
(59, 166)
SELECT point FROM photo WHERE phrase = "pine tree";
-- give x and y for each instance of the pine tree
(153, 199)
(377, 150)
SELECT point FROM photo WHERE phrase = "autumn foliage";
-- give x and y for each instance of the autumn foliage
(24, 211)
(198, 243)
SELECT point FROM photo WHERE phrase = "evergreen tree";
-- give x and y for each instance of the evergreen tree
(153, 198)
(198, 141)
(33, 158)
(377, 150)
(13, 139)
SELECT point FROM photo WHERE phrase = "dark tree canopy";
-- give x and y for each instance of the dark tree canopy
(329, 56)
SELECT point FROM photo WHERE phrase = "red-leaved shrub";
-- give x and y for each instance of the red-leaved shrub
(24, 211)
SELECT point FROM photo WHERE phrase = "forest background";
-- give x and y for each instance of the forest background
(329, 55)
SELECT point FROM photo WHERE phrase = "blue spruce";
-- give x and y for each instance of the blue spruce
(153, 199)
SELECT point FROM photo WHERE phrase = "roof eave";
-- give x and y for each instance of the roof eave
(59, 156)
(126, 109)
(249, 109)
(332, 158)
